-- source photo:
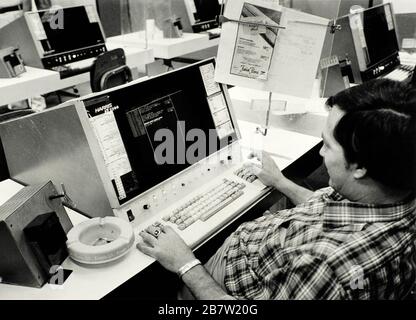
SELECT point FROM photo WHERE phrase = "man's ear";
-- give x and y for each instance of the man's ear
(359, 172)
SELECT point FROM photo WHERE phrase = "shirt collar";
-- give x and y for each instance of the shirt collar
(340, 212)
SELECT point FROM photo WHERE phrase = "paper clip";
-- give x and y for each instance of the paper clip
(221, 19)
(333, 27)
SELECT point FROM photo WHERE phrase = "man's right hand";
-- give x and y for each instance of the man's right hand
(268, 172)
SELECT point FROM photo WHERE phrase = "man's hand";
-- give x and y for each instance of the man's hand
(268, 172)
(166, 246)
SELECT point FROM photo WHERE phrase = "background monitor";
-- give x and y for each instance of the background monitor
(379, 33)
(375, 41)
(368, 40)
(203, 14)
(67, 29)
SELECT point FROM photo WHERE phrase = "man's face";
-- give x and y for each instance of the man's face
(340, 174)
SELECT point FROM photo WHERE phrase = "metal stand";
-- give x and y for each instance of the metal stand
(269, 107)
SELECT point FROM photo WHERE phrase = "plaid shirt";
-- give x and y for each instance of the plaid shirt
(333, 249)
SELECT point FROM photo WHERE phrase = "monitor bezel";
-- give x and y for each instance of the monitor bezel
(114, 201)
(347, 16)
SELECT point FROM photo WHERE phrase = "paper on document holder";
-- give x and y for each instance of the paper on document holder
(295, 57)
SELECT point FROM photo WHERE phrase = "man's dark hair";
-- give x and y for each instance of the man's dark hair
(378, 131)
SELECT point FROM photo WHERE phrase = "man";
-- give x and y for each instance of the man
(352, 240)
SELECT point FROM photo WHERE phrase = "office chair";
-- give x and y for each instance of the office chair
(109, 70)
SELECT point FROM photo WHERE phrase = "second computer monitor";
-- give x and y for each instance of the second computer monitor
(55, 37)
(375, 40)
(203, 14)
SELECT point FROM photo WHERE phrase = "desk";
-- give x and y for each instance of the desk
(167, 48)
(36, 81)
(96, 282)
(29, 84)
(306, 116)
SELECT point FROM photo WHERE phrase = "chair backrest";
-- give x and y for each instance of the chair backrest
(109, 70)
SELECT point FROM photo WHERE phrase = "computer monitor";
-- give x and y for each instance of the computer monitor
(203, 14)
(367, 41)
(156, 131)
(56, 36)
(68, 30)
(375, 40)
(117, 144)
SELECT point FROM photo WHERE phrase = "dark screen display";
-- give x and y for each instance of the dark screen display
(69, 29)
(172, 106)
(206, 10)
(380, 34)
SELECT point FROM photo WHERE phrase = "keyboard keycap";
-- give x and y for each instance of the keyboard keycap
(202, 207)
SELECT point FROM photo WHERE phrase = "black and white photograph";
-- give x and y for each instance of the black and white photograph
(207, 158)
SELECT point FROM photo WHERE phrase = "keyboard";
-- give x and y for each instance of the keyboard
(243, 173)
(211, 207)
(401, 73)
(204, 206)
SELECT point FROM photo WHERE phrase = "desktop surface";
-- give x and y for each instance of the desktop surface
(166, 48)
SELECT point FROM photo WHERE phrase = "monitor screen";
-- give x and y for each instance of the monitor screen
(380, 34)
(152, 130)
(203, 14)
(66, 29)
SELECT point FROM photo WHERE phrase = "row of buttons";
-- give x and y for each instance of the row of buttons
(68, 57)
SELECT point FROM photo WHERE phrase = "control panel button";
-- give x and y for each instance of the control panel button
(130, 215)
